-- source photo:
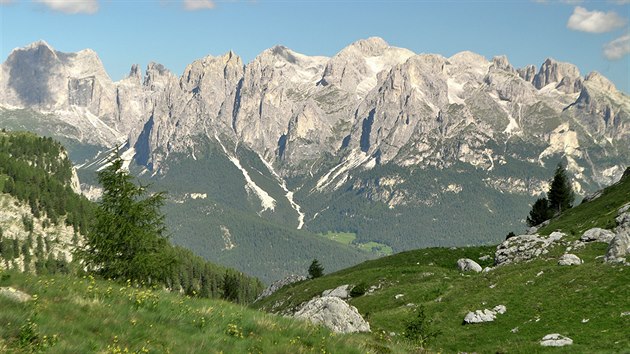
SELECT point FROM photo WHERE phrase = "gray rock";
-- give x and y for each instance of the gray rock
(597, 235)
(525, 247)
(484, 257)
(335, 314)
(555, 340)
(481, 316)
(623, 219)
(500, 309)
(624, 208)
(398, 296)
(14, 294)
(279, 284)
(467, 265)
(342, 292)
(568, 259)
(619, 246)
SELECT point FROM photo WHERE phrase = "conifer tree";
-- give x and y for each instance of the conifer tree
(540, 212)
(315, 270)
(560, 194)
(128, 238)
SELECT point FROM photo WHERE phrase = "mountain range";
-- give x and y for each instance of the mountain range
(398, 150)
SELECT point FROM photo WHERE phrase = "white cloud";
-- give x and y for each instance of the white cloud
(594, 21)
(617, 48)
(4, 2)
(193, 5)
(71, 6)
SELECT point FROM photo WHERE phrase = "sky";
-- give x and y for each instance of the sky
(594, 35)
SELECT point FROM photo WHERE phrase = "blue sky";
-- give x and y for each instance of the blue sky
(593, 35)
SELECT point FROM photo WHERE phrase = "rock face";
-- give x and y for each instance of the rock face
(555, 340)
(468, 265)
(597, 235)
(481, 316)
(342, 292)
(335, 314)
(524, 247)
(14, 294)
(279, 284)
(569, 259)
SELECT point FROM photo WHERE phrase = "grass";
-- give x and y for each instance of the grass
(582, 302)
(347, 238)
(85, 315)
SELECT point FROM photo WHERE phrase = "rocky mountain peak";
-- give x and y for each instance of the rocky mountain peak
(598, 79)
(565, 76)
(372, 46)
(501, 62)
(135, 73)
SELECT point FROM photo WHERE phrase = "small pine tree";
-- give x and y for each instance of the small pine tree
(540, 212)
(315, 270)
(560, 193)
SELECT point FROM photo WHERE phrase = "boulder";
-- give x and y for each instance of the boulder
(14, 294)
(597, 235)
(342, 292)
(569, 259)
(524, 247)
(333, 313)
(467, 265)
(481, 316)
(555, 340)
(278, 284)
(619, 247)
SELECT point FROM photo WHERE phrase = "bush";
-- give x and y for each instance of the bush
(358, 290)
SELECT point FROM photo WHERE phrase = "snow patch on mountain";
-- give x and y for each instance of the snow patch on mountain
(355, 159)
(266, 201)
(288, 193)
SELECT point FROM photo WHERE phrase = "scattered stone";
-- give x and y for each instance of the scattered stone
(624, 314)
(585, 320)
(623, 209)
(592, 196)
(555, 340)
(481, 316)
(14, 294)
(398, 296)
(540, 273)
(492, 286)
(466, 265)
(411, 305)
(335, 314)
(484, 258)
(487, 269)
(500, 309)
(342, 292)
(278, 284)
(597, 235)
(623, 219)
(525, 247)
(569, 259)
(514, 330)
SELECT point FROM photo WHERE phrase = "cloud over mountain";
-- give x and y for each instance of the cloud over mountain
(594, 21)
(72, 7)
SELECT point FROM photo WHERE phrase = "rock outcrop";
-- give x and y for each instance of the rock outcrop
(597, 235)
(619, 246)
(555, 340)
(525, 247)
(333, 313)
(481, 316)
(342, 292)
(569, 259)
(279, 284)
(14, 294)
(468, 265)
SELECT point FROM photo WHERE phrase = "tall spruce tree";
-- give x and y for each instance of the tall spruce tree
(127, 240)
(560, 193)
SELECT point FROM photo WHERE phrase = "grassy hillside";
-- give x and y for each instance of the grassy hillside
(582, 302)
(83, 315)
